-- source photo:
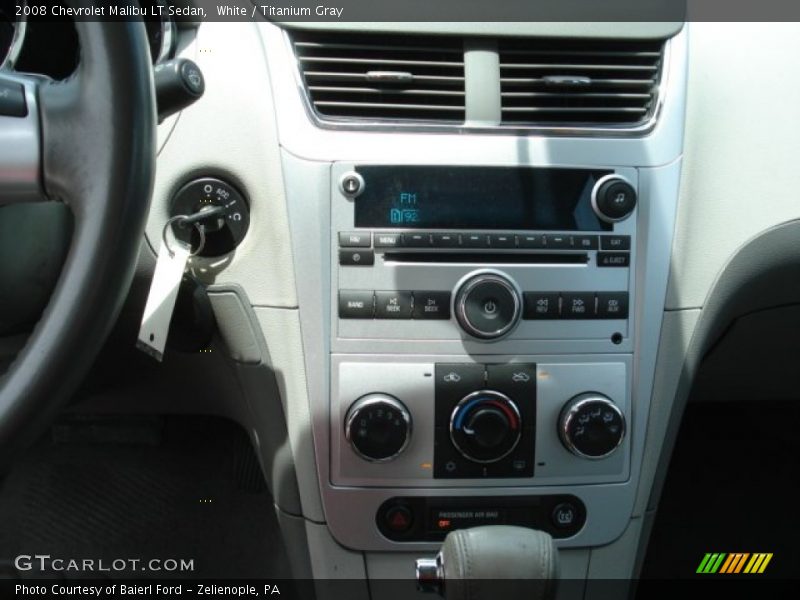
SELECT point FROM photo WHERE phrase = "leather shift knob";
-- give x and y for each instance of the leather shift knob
(473, 560)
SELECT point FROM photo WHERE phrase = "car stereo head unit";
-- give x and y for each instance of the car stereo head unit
(482, 253)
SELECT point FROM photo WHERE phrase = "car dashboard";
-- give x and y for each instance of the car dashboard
(475, 257)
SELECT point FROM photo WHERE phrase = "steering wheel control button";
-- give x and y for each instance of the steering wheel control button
(485, 426)
(591, 426)
(613, 198)
(541, 305)
(398, 519)
(488, 306)
(378, 427)
(12, 99)
(356, 258)
(613, 259)
(356, 305)
(351, 184)
(615, 242)
(612, 305)
(393, 305)
(224, 234)
(431, 305)
(564, 515)
(578, 306)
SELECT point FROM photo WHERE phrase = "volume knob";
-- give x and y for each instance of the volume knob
(378, 427)
(487, 306)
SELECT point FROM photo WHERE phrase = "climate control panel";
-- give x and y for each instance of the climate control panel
(400, 422)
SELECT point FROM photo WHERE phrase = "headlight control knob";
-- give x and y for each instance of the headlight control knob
(378, 427)
(613, 198)
(591, 426)
(485, 426)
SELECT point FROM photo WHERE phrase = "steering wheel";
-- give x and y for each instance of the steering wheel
(89, 142)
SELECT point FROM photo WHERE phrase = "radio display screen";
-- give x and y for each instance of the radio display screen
(478, 198)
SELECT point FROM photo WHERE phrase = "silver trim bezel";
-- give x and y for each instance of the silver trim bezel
(571, 410)
(595, 189)
(369, 400)
(463, 289)
(17, 41)
(499, 396)
(472, 126)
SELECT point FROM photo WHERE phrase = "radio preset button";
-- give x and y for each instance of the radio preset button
(577, 306)
(558, 242)
(474, 240)
(612, 305)
(531, 241)
(355, 304)
(355, 239)
(416, 240)
(393, 305)
(502, 240)
(445, 240)
(584, 242)
(613, 259)
(615, 242)
(356, 258)
(540, 305)
(431, 305)
(387, 240)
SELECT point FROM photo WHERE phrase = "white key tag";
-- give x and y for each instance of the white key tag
(170, 266)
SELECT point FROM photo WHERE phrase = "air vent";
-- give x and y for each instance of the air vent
(579, 83)
(379, 77)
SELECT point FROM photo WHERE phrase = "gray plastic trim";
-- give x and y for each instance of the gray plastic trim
(20, 148)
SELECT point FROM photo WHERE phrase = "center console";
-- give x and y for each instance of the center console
(480, 322)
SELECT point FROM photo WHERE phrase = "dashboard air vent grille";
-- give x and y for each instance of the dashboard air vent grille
(579, 83)
(382, 77)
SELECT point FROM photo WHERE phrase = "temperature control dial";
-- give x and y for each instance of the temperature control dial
(591, 426)
(485, 426)
(222, 234)
(378, 427)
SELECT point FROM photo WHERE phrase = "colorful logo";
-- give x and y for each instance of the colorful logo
(737, 562)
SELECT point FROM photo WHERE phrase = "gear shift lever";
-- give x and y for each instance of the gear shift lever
(472, 561)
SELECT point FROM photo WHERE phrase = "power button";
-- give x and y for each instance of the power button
(487, 306)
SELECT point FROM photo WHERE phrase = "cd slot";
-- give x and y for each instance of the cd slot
(515, 258)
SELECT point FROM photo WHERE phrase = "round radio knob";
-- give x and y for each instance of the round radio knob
(378, 427)
(613, 198)
(485, 426)
(487, 306)
(591, 426)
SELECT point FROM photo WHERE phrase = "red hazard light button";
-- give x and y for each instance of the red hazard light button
(398, 519)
